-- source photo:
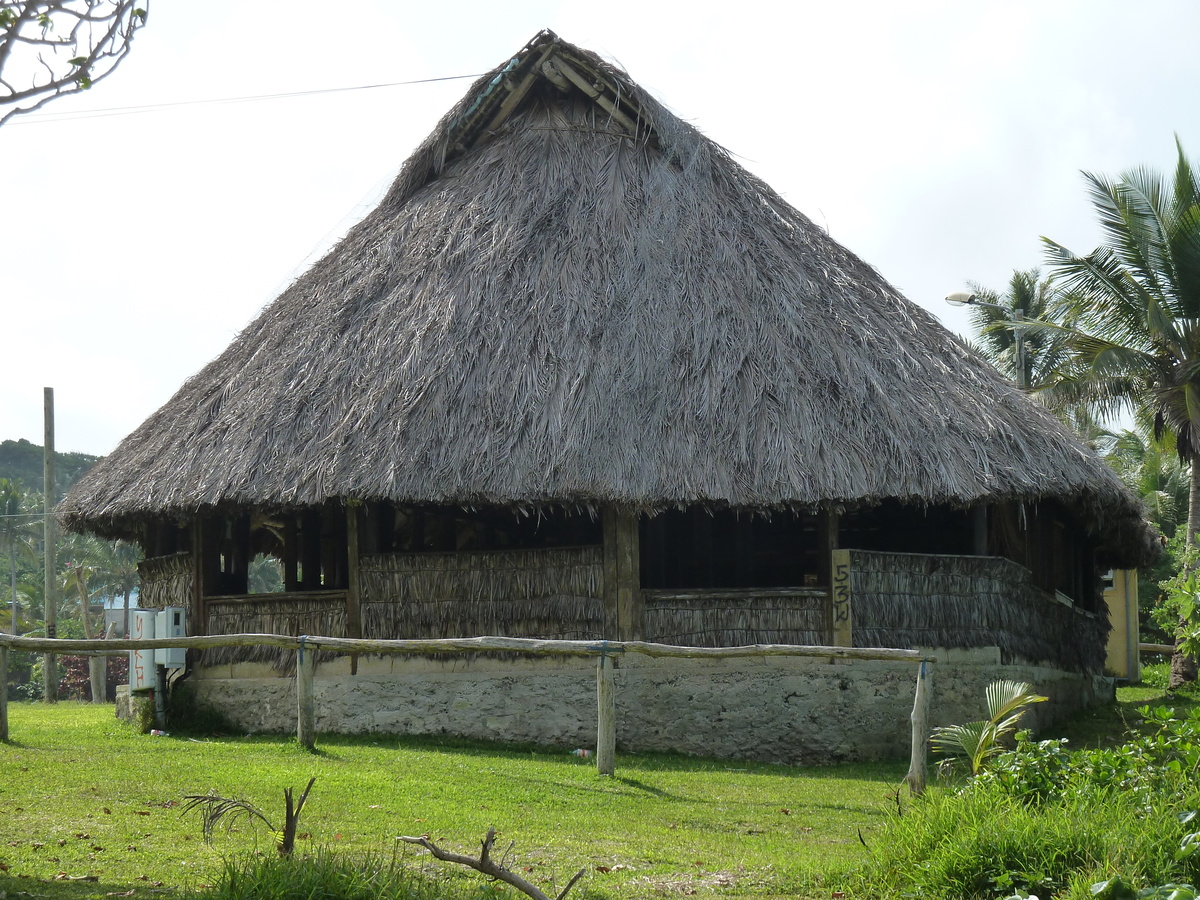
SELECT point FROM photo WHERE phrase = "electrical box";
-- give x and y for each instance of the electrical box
(141, 662)
(171, 622)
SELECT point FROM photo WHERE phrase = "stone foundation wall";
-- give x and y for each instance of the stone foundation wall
(774, 709)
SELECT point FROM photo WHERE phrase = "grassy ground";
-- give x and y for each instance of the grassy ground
(84, 797)
(89, 808)
(1106, 726)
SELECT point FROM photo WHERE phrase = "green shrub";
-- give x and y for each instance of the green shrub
(1156, 675)
(978, 742)
(1048, 822)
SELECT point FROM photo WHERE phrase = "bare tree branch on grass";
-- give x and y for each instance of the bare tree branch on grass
(492, 869)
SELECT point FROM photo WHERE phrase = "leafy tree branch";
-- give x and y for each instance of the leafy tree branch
(53, 47)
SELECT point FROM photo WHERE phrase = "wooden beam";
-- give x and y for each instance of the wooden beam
(606, 717)
(49, 549)
(630, 608)
(596, 94)
(291, 554)
(199, 608)
(917, 766)
(979, 525)
(3, 693)
(353, 583)
(310, 549)
(305, 705)
(827, 543)
(516, 94)
(529, 646)
(608, 523)
(841, 620)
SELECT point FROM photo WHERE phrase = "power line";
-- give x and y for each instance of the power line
(154, 107)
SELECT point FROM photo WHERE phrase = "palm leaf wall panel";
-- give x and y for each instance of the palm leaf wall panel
(914, 600)
(166, 581)
(274, 614)
(553, 593)
(727, 621)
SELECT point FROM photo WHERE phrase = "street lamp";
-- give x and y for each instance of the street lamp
(966, 298)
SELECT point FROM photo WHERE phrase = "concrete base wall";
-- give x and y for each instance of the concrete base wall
(774, 709)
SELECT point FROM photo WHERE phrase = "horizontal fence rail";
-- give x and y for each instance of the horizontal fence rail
(1156, 648)
(306, 645)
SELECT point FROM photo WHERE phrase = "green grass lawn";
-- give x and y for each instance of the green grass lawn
(89, 808)
(83, 796)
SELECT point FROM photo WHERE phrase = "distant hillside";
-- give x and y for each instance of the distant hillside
(23, 460)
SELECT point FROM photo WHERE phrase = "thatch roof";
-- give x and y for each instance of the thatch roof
(569, 295)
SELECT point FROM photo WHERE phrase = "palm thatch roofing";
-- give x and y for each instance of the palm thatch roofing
(571, 296)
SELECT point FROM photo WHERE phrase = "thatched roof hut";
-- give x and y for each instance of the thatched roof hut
(571, 297)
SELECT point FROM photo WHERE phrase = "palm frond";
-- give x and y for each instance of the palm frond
(976, 741)
(1007, 701)
(1006, 696)
(215, 809)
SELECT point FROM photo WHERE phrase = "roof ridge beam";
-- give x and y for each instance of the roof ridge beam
(593, 91)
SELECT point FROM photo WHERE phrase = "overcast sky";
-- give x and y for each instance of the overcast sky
(937, 140)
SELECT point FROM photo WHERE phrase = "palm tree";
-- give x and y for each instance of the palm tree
(1134, 309)
(1044, 349)
(1044, 333)
(1152, 470)
(19, 528)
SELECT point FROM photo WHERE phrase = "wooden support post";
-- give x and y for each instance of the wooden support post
(608, 523)
(3, 693)
(979, 527)
(198, 625)
(291, 554)
(606, 717)
(630, 609)
(841, 619)
(827, 543)
(310, 550)
(306, 732)
(160, 697)
(353, 585)
(917, 771)
(50, 547)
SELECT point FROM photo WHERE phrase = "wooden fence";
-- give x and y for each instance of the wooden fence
(306, 646)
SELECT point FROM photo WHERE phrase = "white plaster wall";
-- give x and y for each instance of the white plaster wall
(775, 709)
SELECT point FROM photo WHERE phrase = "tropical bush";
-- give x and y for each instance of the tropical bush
(978, 742)
(1045, 821)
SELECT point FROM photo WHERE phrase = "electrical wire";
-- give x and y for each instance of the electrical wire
(155, 107)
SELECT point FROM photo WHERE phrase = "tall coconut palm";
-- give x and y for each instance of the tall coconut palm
(1044, 349)
(1135, 309)
(1153, 471)
(19, 528)
(1134, 304)
(1045, 346)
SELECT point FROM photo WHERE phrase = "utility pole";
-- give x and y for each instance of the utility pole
(49, 540)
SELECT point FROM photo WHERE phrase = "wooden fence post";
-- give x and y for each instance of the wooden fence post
(606, 717)
(917, 771)
(305, 717)
(4, 691)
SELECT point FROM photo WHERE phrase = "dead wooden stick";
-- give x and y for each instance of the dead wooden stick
(485, 865)
(291, 818)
